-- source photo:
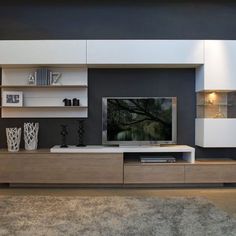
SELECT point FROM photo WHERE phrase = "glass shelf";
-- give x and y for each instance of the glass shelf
(215, 104)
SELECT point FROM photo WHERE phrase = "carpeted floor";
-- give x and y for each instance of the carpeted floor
(108, 216)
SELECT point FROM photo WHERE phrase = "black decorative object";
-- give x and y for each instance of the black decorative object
(64, 132)
(81, 133)
(76, 102)
(67, 102)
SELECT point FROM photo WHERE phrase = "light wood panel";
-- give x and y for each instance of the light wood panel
(143, 174)
(210, 173)
(61, 168)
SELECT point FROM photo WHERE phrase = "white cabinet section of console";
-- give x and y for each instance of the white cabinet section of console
(31, 52)
(156, 53)
(215, 133)
(219, 69)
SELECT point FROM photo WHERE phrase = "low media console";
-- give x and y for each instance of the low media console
(111, 166)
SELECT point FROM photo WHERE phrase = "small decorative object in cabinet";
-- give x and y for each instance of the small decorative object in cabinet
(216, 104)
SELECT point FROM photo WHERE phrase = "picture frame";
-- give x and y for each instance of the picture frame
(12, 99)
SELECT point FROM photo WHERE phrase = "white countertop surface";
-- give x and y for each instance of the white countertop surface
(121, 149)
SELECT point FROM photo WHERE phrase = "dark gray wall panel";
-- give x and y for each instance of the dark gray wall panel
(124, 19)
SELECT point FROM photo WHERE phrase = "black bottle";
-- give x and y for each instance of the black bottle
(81, 133)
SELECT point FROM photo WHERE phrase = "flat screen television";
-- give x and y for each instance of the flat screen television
(139, 120)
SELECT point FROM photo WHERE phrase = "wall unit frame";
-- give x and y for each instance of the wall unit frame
(46, 100)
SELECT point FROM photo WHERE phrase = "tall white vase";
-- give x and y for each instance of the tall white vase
(31, 136)
(13, 139)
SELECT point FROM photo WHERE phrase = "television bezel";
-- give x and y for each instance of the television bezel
(137, 143)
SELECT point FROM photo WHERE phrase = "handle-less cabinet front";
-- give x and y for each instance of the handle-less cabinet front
(145, 52)
(219, 69)
(153, 174)
(61, 168)
(32, 52)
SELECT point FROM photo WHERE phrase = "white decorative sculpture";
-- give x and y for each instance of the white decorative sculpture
(31, 136)
(13, 139)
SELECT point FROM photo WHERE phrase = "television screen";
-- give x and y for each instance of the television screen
(139, 120)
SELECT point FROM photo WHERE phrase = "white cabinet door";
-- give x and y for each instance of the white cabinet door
(219, 69)
(42, 52)
(215, 132)
(145, 52)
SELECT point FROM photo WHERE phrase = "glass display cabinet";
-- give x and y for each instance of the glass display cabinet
(216, 104)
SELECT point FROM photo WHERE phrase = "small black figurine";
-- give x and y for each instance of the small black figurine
(81, 133)
(67, 102)
(75, 102)
(64, 132)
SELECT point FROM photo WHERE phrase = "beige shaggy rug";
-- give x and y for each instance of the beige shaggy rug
(108, 216)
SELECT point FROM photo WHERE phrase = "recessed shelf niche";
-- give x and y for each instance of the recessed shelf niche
(216, 104)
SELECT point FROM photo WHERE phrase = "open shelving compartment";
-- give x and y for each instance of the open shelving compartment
(46, 100)
(216, 104)
(183, 155)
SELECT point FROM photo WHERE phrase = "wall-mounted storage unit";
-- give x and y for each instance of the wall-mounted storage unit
(170, 53)
(37, 52)
(219, 69)
(215, 132)
(46, 100)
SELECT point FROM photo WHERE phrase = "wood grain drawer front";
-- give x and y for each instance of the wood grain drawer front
(62, 168)
(210, 174)
(141, 174)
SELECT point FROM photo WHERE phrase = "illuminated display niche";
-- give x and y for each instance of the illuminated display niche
(216, 104)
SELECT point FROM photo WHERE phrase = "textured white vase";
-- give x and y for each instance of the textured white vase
(13, 139)
(31, 136)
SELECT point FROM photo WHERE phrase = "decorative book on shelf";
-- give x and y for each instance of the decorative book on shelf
(43, 76)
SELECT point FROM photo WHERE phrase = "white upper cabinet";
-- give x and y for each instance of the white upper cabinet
(219, 69)
(21, 52)
(145, 52)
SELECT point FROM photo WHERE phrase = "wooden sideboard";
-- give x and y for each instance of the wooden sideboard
(44, 167)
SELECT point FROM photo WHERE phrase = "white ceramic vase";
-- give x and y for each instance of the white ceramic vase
(31, 136)
(13, 139)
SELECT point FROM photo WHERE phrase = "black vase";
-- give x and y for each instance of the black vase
(76, 102)
(67, 102)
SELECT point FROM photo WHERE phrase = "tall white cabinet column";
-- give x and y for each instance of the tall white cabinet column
(217, 76)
